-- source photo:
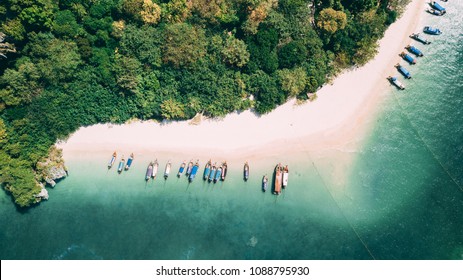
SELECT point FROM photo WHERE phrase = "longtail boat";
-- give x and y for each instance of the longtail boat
(167, 170)
(129, 162)
(194, 170)
(396, 82)
(264, 183)
(224, 170)
(246, 171)
(437, 7)
(155, 169)
(403, 71)
(285, 176)
(218, 174)
(414, 50)
(149, 171)
(213, 171)
(435, 12)
(112, 160)
(181, 169)
(121, 165)
(207, 170)
(420, 39)
(278, 179)
(407, 58)
(432, 31)
(189, 168)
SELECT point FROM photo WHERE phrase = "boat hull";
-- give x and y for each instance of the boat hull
(431, 31)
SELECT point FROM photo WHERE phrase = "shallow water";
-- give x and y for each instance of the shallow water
(400, 198)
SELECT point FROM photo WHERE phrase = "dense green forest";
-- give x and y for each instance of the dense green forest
(71, 63)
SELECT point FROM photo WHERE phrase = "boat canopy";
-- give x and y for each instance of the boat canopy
(404, 71)
(438, 7)
(408, 58)
(415, 50)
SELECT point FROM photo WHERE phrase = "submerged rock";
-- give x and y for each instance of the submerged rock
(252, 241)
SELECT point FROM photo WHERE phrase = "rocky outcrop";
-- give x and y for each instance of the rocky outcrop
(43, 194)
(55, 173)
(52, 168)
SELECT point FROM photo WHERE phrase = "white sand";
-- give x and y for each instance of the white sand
(336, 120)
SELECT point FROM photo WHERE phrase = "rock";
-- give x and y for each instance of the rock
(252, 241)
(52, 168)
(43, 194)
(54, 173)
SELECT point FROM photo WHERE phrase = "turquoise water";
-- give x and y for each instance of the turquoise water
(402, 198)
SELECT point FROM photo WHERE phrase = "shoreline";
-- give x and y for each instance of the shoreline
(336, 121)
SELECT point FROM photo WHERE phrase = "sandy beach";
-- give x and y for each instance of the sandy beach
(338, 119)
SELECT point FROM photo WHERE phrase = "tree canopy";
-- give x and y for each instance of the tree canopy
(71, 63)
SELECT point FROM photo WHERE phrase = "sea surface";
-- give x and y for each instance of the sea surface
(401, 196)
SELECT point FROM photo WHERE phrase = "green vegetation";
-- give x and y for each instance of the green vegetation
(71, 63)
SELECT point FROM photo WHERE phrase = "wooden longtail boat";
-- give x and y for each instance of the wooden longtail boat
(112, 160)
(285, 176)
(403, 71)
(264, 183)
(155, 169)
(129, 162)
(213, 171)
(278, 179)
(417, 37)
(396, 82)
(189, 168)
(181, 169)
(121, 165)
(438, 7)
(194, 170)
(432, 31)
(149, 171)
(224, 170)
(218, 174)
(246, 171)
(207, 170)
(407, 58)
(414, 50)
(435, 12)
(167, 170)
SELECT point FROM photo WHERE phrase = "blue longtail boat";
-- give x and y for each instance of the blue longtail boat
(189, 168)
(194, 170)
(213, 171)
(181, 169)
(431, 30)
(207, 170)
(112, 160)
(121, 165)
(414, 50)
(129, 162)
(437, 6)
(218, 174)
(403, 71)
(408, 58)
